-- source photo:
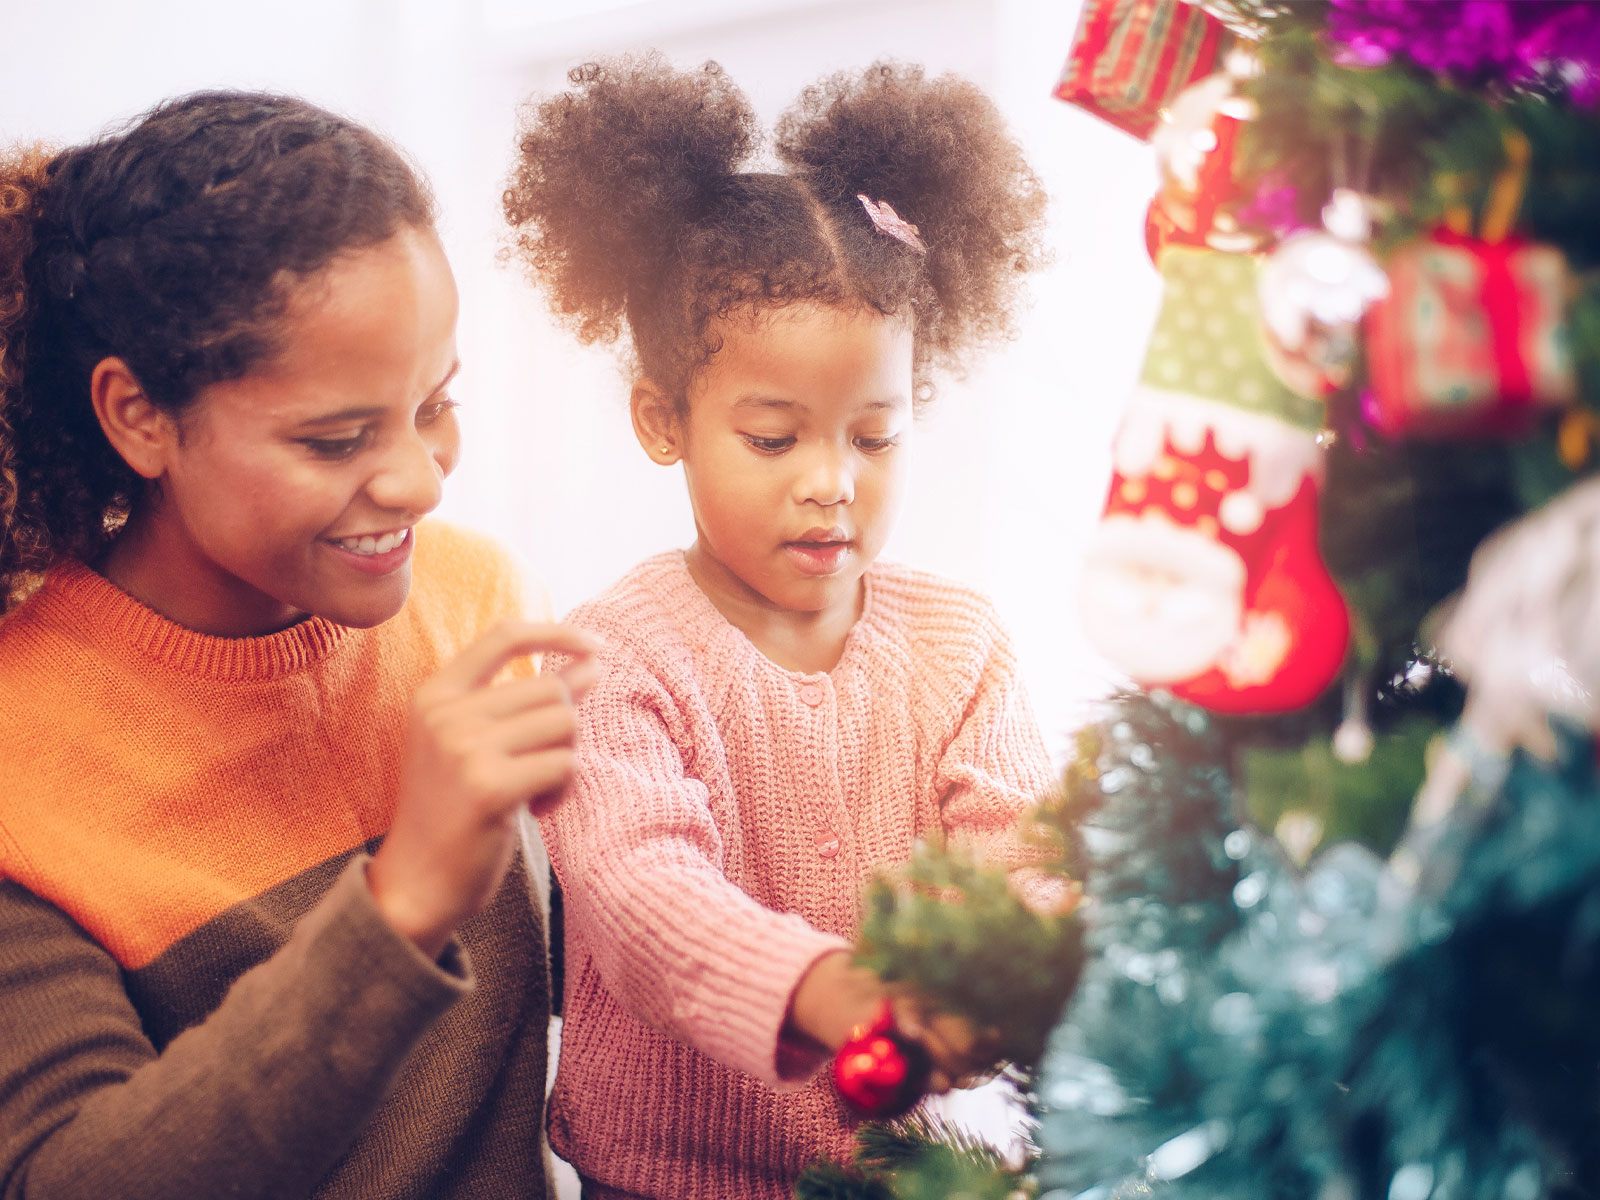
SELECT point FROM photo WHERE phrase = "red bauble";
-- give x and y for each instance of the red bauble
(880, 1072)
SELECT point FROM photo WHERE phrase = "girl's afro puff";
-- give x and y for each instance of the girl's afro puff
(938, 151)
(610, 174)
(629, 203)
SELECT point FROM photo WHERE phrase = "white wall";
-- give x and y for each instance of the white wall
(1012, 461)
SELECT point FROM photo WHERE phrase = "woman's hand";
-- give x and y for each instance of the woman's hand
(478, 753)
(836, 996)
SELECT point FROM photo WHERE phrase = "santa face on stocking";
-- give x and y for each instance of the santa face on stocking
(1204, 576)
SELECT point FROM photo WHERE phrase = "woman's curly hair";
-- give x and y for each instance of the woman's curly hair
(171, 245)
(629, 203)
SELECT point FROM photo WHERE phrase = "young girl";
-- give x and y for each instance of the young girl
(260, 794)
(778, 715)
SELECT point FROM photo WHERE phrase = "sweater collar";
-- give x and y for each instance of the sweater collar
(717, 632)
(74, 593)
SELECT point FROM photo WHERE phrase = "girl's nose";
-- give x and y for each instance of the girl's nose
(411, 476)
(826, 478)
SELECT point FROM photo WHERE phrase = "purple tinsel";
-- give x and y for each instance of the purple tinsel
(1477, 41)
(1275, 205)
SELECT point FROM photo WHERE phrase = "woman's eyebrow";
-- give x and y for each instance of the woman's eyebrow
(367, 412)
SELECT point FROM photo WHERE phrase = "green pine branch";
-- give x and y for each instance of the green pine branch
(1418, 143)
(920, 1157)
(955, 932)
(896, 1145)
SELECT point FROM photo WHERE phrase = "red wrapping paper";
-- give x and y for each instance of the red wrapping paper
(1129, 58)
(1471, 339)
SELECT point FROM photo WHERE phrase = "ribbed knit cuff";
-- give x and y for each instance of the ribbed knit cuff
(757, 988)
(367, 966)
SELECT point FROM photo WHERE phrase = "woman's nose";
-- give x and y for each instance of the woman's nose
(411, 476)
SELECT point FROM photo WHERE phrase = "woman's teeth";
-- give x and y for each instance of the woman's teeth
(367, 544)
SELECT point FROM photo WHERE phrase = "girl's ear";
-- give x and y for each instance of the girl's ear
(655, 423)
(137, 430)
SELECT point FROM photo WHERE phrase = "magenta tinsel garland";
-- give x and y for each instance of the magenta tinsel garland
(1474, 42)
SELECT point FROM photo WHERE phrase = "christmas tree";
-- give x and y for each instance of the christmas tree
(1340, 842)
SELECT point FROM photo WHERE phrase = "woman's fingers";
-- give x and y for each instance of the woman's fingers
(477, 744)
(477, 750)
(579, 674)
(549, 726)
(516, 696)
(538, 777)
(481, 661)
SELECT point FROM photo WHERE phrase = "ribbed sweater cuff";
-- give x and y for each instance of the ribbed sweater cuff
(754, 989)
(263, 1097)
(367, 964)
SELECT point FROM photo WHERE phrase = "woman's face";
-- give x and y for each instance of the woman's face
(293, 490)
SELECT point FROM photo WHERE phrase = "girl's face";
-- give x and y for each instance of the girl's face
(293, 490)
(795, 450)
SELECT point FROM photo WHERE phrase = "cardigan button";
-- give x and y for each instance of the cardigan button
(811, 693)
(828, 848)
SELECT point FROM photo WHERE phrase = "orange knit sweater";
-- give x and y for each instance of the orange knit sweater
(198, 995)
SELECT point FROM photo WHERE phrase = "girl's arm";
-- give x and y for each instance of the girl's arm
(639, 856)
(995, 768)
(992, 769)
(259, 1100)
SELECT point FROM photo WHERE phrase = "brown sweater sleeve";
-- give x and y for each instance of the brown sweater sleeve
(258, 1100)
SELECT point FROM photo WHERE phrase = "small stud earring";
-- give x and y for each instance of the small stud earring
(665, 450)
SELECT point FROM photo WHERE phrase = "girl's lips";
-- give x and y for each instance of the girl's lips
(817, 558)
(374, 564)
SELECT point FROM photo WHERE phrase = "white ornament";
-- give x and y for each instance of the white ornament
(1525, 634)
(1314, 289)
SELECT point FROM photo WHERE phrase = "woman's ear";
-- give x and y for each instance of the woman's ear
(656, 423)
(137, 430)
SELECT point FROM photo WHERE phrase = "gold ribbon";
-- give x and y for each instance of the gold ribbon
(1504, 201)
(1577, 436)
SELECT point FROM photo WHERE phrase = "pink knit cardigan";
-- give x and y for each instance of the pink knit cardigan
(724, 819)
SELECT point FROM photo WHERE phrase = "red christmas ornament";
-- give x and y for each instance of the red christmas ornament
(880, 1072)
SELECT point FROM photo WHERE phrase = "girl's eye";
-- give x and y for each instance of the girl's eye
(335, 448)
(876, 445)
(769, 445)
(431, 412)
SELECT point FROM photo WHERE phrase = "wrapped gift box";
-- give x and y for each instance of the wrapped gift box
(1131, 57)
(1471, 340)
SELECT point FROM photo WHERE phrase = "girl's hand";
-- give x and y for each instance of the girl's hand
(478, 753)
(835, 996)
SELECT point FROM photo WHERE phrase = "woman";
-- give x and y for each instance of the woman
(266, 925)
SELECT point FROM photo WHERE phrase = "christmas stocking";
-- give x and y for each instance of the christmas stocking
(1204, 576)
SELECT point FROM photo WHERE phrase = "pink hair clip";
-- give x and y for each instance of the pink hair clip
(886, 220)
